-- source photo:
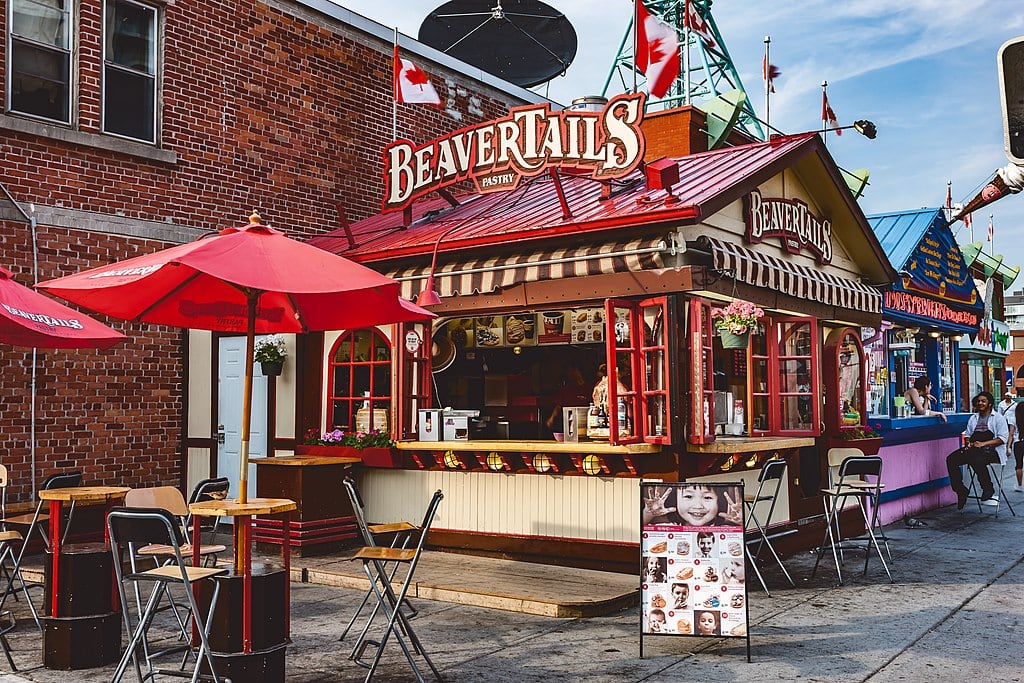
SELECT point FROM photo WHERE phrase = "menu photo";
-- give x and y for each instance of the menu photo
(693, 571)
(554, 327)
(587, 325)
(521, 329)
(489, 330)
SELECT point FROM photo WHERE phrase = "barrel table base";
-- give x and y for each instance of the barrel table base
(86, 632)
(265, 660)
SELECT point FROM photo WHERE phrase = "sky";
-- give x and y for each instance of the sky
(924, 71)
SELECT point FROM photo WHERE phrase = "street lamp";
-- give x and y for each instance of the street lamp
(863, 126)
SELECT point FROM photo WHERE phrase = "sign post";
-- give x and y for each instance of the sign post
(693, 561)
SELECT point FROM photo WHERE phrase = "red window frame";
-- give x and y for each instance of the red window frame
(702, 388)
(377, 398)
(414, 378)
(775, 331)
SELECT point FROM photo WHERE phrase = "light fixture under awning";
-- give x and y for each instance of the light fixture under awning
(486, 275)
(802, 282)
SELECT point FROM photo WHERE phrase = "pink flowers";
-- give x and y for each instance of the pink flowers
(738, 317)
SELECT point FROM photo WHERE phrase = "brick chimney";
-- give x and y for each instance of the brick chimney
(680, 132)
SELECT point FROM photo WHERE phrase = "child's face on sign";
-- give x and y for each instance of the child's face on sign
(697, 505)
(706, 623)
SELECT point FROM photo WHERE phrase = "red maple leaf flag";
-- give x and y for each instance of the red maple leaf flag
(827, 115)
(990, 229)
(412, 84)
(657, 51)
(770, 72)
(968, 221)
(695, 22)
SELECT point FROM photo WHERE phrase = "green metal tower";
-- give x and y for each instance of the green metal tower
(710, 68)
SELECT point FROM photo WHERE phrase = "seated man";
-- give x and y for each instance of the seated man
(987, 434)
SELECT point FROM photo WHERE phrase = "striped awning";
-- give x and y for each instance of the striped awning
(802, 282)
(462, 277)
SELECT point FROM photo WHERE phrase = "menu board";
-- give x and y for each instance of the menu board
(692, 566)
(587, 326)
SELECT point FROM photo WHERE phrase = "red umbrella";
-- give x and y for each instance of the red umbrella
(27, 318)
(251, 279)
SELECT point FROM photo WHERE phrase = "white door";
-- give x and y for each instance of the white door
(230, 380)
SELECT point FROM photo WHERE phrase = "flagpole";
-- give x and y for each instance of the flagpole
(766, 68)
(394, 94)
(686, 52)
(991, 237)
(635, 29)
(824, 124)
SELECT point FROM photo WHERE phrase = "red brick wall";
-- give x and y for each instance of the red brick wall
(263, 110)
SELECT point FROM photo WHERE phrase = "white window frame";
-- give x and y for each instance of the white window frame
(155, 56)
(67, 49)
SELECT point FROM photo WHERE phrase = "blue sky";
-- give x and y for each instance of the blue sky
(924, 71)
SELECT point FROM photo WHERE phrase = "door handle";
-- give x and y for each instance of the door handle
(221, 434)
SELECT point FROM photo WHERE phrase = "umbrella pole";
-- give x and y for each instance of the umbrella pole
(250, 343)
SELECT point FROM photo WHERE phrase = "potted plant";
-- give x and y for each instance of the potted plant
(270, 353)
(868, 439)
(734, 323)
(374, 448)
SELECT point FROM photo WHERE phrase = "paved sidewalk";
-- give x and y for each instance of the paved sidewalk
(954, 613)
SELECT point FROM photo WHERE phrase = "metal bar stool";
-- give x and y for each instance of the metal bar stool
(859, 479)
(402, 533)
(773, 472)
(374, 560)
(995, 470)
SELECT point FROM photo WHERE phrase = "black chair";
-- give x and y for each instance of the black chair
(134, 528)
(208, 489)
(769, 484)
(995, 472)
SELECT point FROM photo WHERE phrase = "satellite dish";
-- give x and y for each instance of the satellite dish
(856, 181)
(723, 114)
(522, 41)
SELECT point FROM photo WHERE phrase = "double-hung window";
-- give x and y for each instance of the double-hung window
(130, 70)
(39, 59)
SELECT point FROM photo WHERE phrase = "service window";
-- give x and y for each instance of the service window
(795, 344)
(702, 368)
(39, 58)
(414, 376)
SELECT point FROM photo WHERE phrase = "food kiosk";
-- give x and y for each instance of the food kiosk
(587, 259)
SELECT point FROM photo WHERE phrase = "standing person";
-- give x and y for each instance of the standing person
(1018, 448)
(574, 392)
(920, 398)
(987, 434)
(1006, 403)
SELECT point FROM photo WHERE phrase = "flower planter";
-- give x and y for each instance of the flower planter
(271, 368)
(371, 457)
(868, 446)
(734, 341)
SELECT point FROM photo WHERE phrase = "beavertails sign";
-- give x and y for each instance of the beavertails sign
(527, 142)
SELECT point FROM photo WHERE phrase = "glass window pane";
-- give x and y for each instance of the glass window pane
(795, 412)
(343, 353)
(796, 339)
(343, 415)
(39, 81)
(129, 105)
(361, 339)
(759, 377)
(44, 21)
(131, 36)
(794, 376)
(657, 415)
(851, 395)
(341, 380)
(655, 361)
(623, 327)
(760, 413)
(360, 379)
(381, 381)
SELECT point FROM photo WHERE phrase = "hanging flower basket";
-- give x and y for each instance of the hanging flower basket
(272, 368)
(734, 341)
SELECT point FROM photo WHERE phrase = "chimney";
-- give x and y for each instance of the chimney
(675, 132)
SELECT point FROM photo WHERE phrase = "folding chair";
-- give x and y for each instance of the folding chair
(37, 521)
(995, 471)
(402, 533)
(374, 559)
(133, 528)
(7, 538)
(774, 471)
(169, 498)
(860, 479)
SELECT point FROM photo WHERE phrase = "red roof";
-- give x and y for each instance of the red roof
(708, 182)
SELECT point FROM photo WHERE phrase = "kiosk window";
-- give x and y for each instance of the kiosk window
(359, 381)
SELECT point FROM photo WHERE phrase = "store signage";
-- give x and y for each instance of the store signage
(497, 154)
(929, 308)
(936, 268)
(992, 336)
(792, 221)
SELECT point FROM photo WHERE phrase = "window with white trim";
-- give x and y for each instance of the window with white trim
(39, 59)
(130, 70)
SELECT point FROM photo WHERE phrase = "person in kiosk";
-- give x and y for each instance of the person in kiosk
(920, 398)
(987, 434)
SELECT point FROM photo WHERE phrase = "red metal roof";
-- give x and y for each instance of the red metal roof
(708, 182)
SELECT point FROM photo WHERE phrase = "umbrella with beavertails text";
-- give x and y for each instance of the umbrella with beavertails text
(27, 318)
(250, 279)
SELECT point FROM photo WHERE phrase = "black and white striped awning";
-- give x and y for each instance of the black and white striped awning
(486, 275)
(802, 282)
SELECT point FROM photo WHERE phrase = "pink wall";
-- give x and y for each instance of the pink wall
(912, 466)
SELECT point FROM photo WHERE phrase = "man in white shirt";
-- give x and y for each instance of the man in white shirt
(987, 434)
(1006, 404)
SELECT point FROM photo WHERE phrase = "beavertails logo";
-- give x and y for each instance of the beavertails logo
(792, 221)
(530, 140)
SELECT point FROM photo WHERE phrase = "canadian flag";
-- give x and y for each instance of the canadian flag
(827, 115)
(657, 51)
(412, 84)
(990, 230)
(695, 22)
(770, 72)
(968, 221)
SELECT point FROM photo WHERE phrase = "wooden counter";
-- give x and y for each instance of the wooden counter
(323, 520)
(596, 447)
(744, 444)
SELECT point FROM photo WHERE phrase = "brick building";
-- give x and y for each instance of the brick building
(131, 126)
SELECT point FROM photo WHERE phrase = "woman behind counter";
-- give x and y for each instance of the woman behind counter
(919, 397)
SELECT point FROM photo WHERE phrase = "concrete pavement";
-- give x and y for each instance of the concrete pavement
(955, 612)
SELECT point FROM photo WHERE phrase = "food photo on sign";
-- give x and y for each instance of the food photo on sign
(693, 571)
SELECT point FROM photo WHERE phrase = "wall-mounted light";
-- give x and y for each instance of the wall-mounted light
(934, 335)
(957, 337)
(541, 462)
(452, 461)
(495, 461)
(592, 464)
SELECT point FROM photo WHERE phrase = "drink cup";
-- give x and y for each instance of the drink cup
(553, 322)
(528, 327)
